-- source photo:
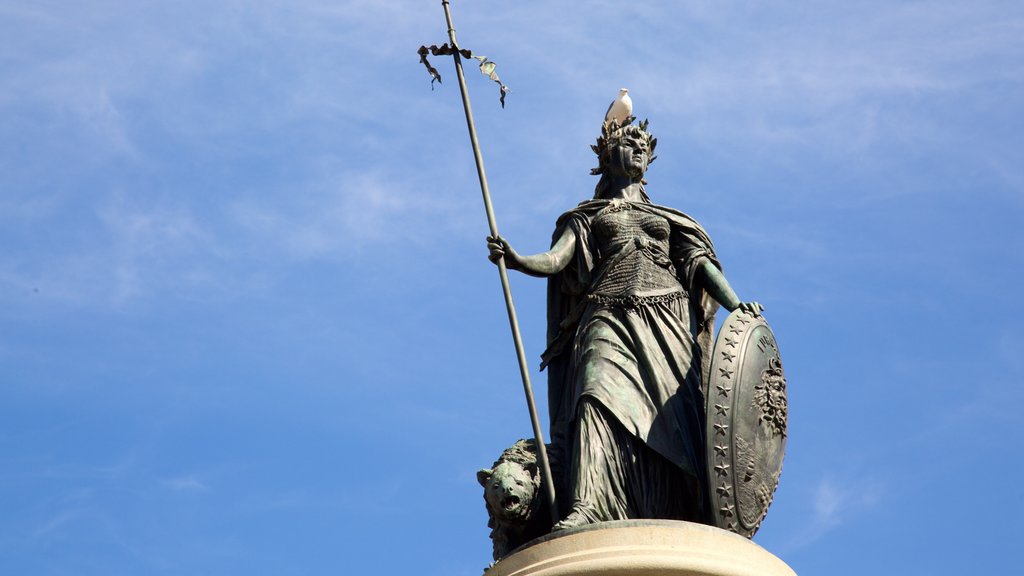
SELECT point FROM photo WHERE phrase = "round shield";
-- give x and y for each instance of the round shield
(747, 409)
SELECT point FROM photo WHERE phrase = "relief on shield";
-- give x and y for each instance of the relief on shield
(746, 414)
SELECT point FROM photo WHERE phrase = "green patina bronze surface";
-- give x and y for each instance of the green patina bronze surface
(633, 288)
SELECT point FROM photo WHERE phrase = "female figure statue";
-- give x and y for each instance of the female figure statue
(633, 289)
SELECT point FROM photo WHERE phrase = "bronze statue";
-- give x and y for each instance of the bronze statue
(632, 292)
(649, 419)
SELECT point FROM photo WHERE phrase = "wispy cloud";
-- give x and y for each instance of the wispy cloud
(341, 215)
(129, 251)
(186, 484)
(56, 522)
(833, 74)
(106, 104)
(833, 503)
(146, 243)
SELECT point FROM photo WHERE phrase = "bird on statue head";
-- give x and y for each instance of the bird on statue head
(620, 108)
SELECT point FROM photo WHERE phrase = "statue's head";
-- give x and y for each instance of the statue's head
(623, 150)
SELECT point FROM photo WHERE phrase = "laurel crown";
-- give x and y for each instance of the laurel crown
(613, 132)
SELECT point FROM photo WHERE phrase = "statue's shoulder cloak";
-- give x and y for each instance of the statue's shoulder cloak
(567, 291)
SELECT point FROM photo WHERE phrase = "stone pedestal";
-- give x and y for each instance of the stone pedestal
(641, 548)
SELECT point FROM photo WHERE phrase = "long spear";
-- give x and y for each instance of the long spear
(542, 454)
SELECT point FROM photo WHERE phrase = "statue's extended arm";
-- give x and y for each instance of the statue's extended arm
(543, 264)
(712, 279)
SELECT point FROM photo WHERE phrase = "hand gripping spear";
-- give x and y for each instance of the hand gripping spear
(542, 456)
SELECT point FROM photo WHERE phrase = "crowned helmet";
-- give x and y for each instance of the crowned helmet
(613, 132)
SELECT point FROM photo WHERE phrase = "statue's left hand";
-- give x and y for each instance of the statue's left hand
(752, 308)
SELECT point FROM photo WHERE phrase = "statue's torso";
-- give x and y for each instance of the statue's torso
(645, 270)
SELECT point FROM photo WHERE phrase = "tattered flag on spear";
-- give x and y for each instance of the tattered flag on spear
(487, 67)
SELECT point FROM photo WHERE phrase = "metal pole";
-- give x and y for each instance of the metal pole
(542, 454)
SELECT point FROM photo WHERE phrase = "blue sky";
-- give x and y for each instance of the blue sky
(247, 325)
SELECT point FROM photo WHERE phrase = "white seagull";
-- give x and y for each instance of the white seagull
(620, 108)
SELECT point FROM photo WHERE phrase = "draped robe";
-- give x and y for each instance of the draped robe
(625, 383)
